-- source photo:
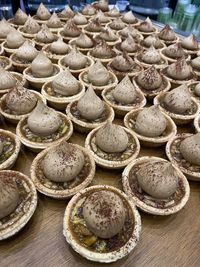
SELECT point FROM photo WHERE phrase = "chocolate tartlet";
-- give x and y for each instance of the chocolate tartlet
(9, 149)
(18, 202)
(5, 28)
(130, 30)
(146, 27)
(191, 45)
(54, 23)
(44, 36)
(19, 18)
(62, 170)
(119, 229)
(83, 43)
(94, 27)
(30, 28)
(129, 45)
(167, 35)
(152, 127)
(89, 111)
(109, 36)
(66, 14)
(155, 185)
(152, 40)
(113, 13)
(183, 152)
(69, 31)
(174, 52)
(129, 18)
(112, 146)
(42, 14)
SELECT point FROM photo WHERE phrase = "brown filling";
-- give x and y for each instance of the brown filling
(8, 148)
(4, 63)
(151, 201)
(64, 185)
(176, 155)
(93, 243)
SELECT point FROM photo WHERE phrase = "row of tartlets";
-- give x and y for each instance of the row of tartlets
(100, 222)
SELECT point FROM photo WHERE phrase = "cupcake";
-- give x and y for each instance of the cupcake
(76, 61)
(44, 36)
(30, 28)
(64, 89)
(112, 146)
(62, 170)
(43, 127)
(167, 35)
(69, 31)
(124, 97)
(89, 111)
(149, 57)
(99, 77)
(54, 23)
(56, 50)
(83, 43)
(41, 70)
(152, 127)
(123, 65)
(23, 56)
(178, 104)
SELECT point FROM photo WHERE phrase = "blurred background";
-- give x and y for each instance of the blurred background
(182, 15)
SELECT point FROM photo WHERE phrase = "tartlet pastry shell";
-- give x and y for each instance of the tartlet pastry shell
(8, 62)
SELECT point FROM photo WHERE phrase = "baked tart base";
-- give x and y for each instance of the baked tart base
(122, 109)
(37, 83)
(13, 223)
(92, 247)
(37, 143)
(83, 125)
(179, 119)
(62, 190)
(10, 116)
(170, 131)
(113, 160)
(59, 101)
(150, 204)
(173, 153)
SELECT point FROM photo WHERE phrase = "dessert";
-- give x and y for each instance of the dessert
(89, 111)
(30, 28)
(179, 72)
(43, 127)
(83, 43)
(183, 152)
(54, 23)
(18, 102)
(93, 27)
(23, 56)
(155, 185)
(19, 18)
(146, 27)
(80, 20)
(130, 30)
(103, 20)
(174, 52)
(124, 97)
(167, 35)
(62, 170)
(117, 24)
(128, 45)
(117, 215)
(123, 65)
(5, 28)
(13, 41)
(129, 18)
(64, 89)
(66, 13)
(42, 14)
(56, 50)
(88, 11)
(1, 50)
(109, 36)
(44, 36)
(195, 63)
(17, 204)
(178, 104)
(5, 63)
(190, 44)
(194, 88)
(152, 40)
(99, 77)
(101, 5)
(69, 31)
(149, 57)
(103, 52)
(112, 146)
(9, 149)
(151, 82)
(76, 61)
(113, 13)
(41, 70)
(152, 127)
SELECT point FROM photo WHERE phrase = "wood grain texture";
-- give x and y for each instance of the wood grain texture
(171, 241)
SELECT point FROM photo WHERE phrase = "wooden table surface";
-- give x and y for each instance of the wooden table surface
(171, 241)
